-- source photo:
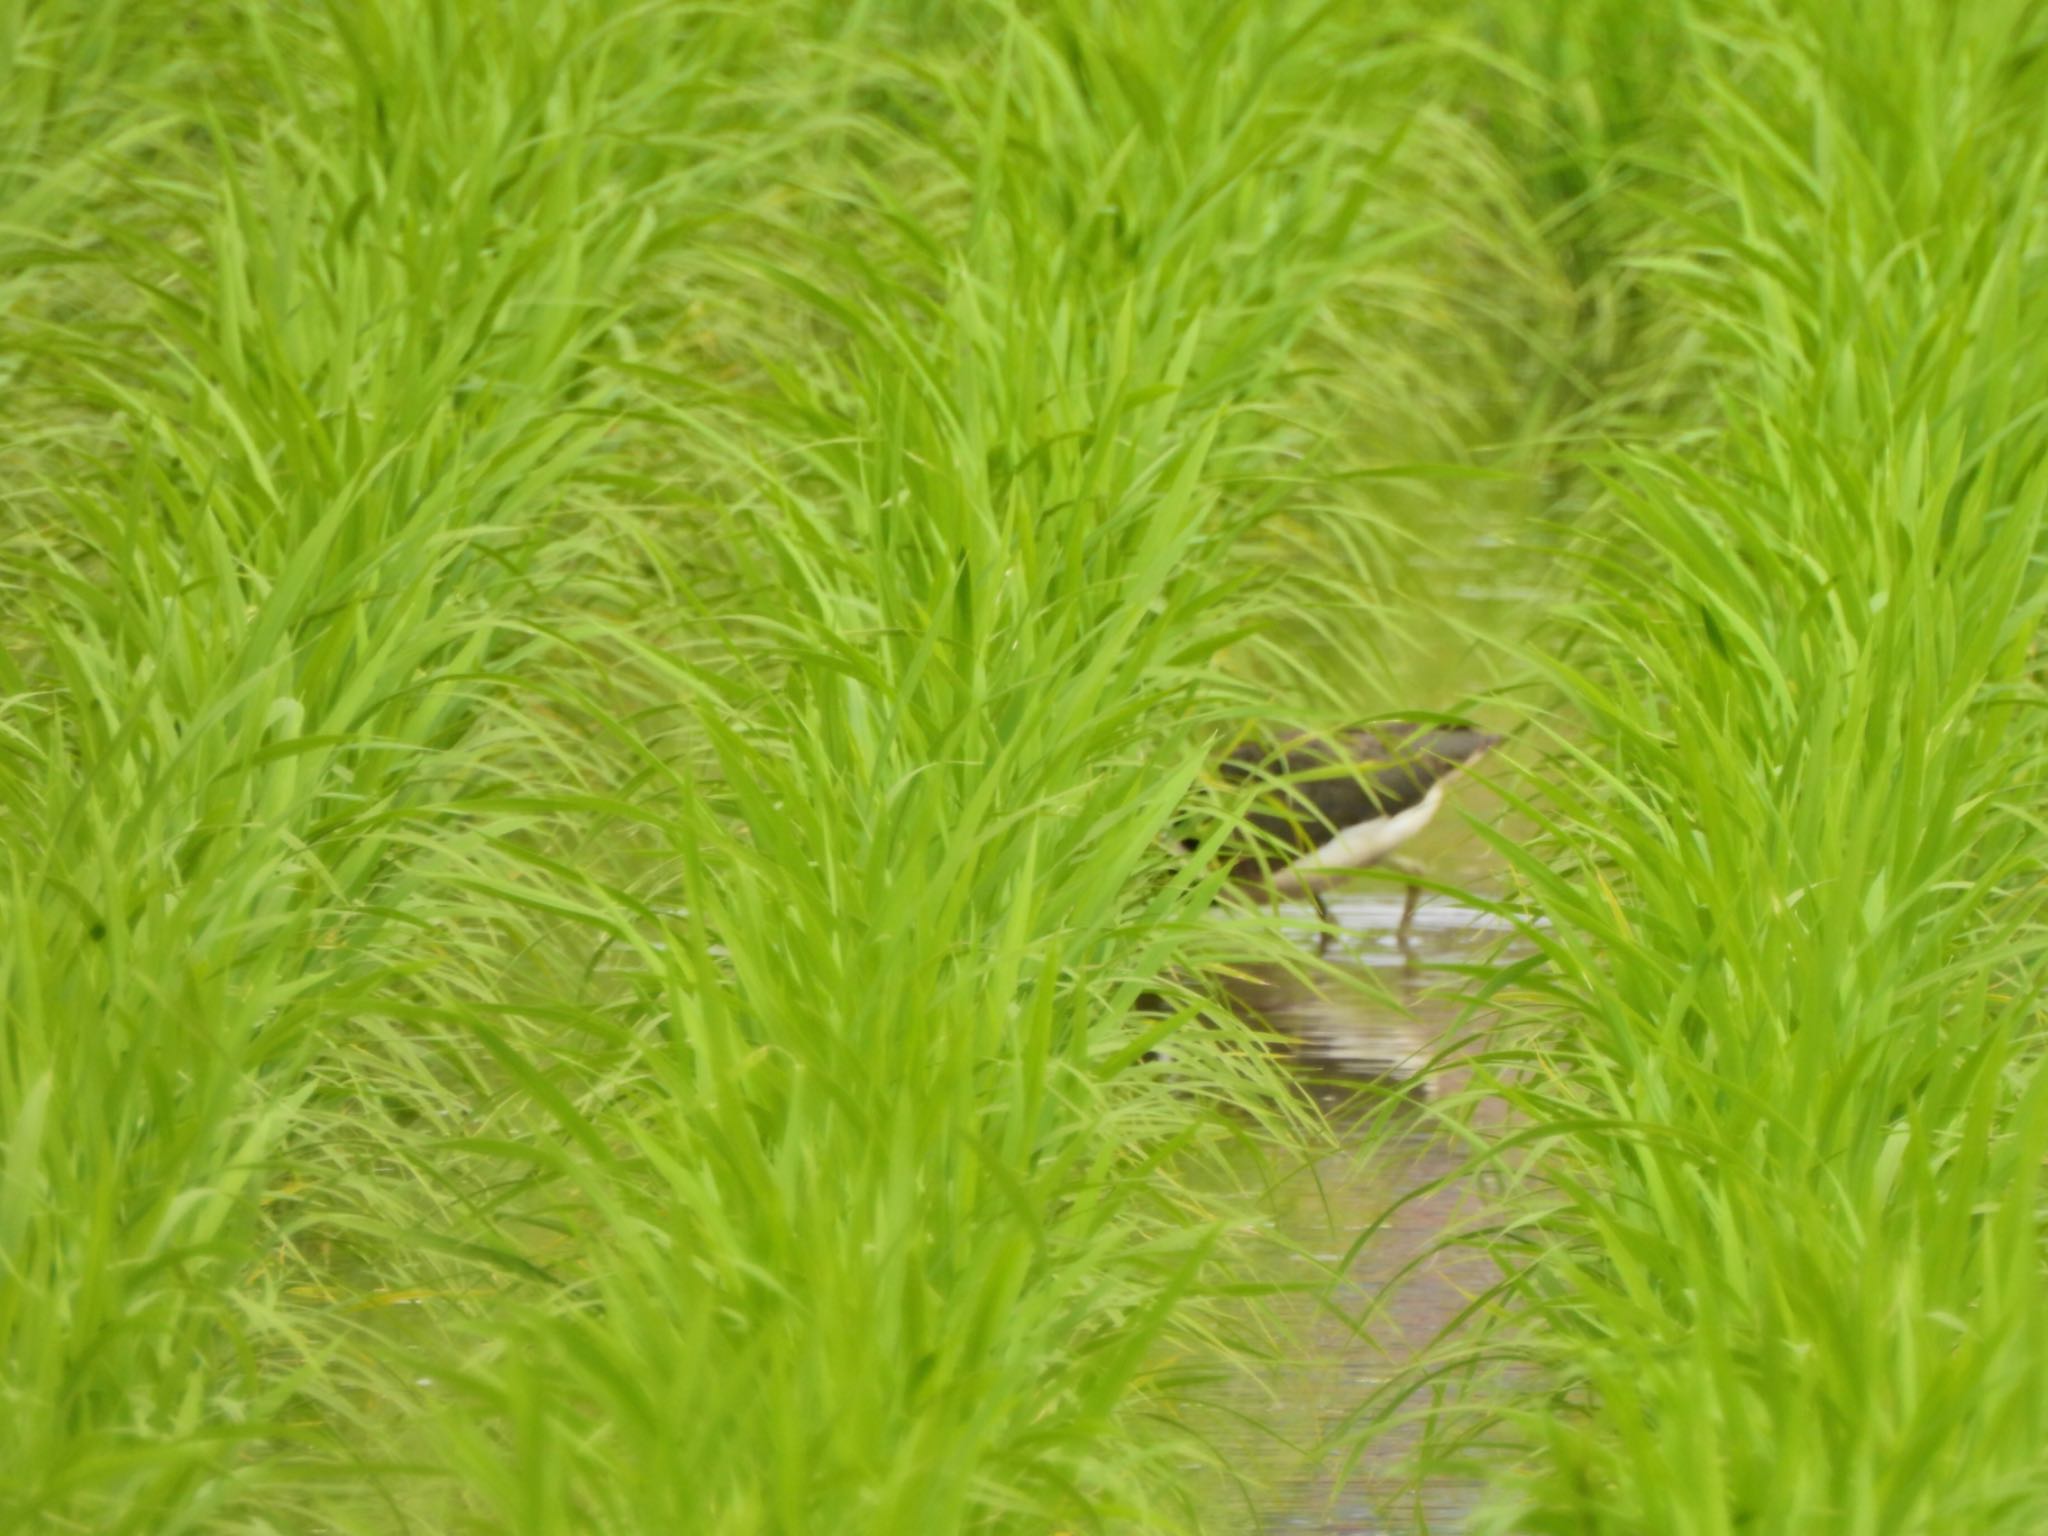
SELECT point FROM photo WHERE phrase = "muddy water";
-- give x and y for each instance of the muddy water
(1287, 1428)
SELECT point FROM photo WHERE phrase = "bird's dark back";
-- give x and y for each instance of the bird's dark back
(1319, 785)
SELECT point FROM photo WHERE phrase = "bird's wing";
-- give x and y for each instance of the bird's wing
(1403, 763)
(1321, 785)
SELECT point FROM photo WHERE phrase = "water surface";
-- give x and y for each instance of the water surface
(1287, 1429)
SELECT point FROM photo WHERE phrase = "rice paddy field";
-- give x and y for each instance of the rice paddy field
(612, 623)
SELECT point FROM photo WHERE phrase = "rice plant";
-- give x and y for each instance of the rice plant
(611, 621)
(1771, 1248)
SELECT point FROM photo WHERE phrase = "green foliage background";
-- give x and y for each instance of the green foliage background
(604, 611)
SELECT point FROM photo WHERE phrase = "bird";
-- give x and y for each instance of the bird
(1328, 804)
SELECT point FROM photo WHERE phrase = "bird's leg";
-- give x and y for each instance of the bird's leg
(1413, 872)
(1323, 912)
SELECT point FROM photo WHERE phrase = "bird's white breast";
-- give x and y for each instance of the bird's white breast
(1362, 845)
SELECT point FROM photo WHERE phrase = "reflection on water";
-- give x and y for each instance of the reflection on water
(1443, 933)
(1349, 1340)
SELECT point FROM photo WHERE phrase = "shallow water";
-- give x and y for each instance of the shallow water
(1285, 1429)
